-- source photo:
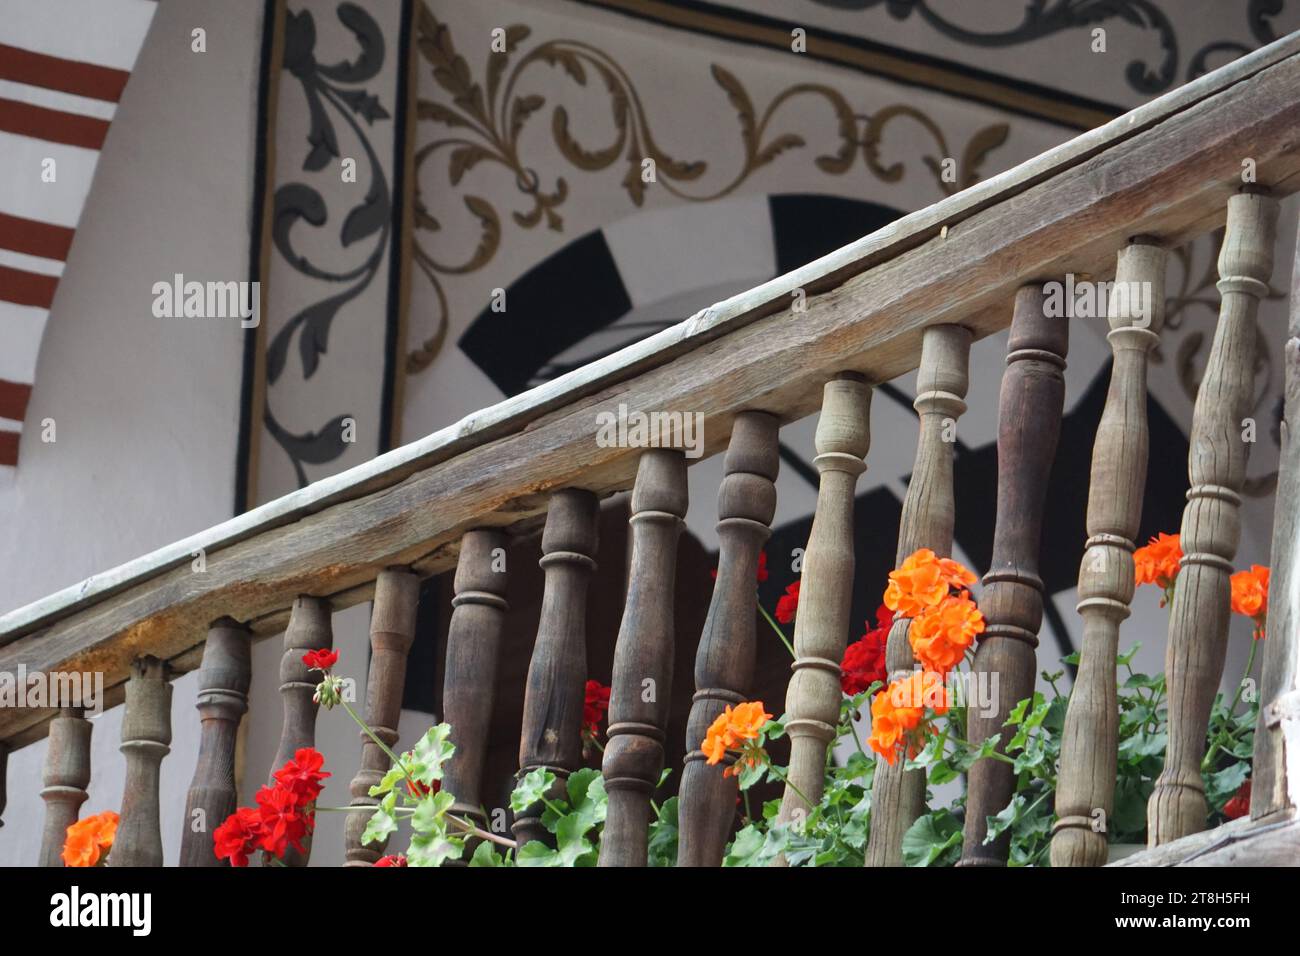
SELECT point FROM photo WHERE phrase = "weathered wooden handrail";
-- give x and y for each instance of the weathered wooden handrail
(1165, 168)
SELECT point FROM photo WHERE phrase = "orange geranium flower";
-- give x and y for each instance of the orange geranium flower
(898, 714)
(920, 582)
(1157, 563)
(941, 635)
(732, 729)
(1250, 595)
(88, 840)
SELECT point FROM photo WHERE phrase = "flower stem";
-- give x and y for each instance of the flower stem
(779, 633)
(781, 775)
(397, 761)
(473, 830)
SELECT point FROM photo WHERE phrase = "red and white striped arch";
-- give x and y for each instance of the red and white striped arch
(63, 66)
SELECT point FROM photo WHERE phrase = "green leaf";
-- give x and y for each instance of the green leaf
(931, 839)
(535, 853)
(389, 781)
(1222, 784)
(433, 849)
(662, 848)
(379, 827)
(531, 789)
(1127, 657)
(424, 761)
(746, 848)
(578, 783)
(571, 842)
(484, 855)
(1000, 822)
(430, 813)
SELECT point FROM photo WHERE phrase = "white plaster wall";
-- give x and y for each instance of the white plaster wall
(147, 409)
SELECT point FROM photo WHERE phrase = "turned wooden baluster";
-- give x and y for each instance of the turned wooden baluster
(1198, 614)
(310, 628)
(392, 630)
(224, 677)
(66, 776)
(1085, 794)
(473, 646)
(557, 673)
(821, 627)
(724, 661)
(643, 658)
(146, 739)
(929, 511)
(1277, 733)
(1029, 424)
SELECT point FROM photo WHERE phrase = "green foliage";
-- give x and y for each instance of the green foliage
(835, 831)
(406, 792)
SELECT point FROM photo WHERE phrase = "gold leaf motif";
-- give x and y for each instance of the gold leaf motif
(496, 121)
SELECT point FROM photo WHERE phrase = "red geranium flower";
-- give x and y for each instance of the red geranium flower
(594, 707)
(789, 604)
(302, 775)
(395, 859)
(238, 836)
(418, 789)
(864, 659)
(283, 822)
(320, 660)
(1239, 805)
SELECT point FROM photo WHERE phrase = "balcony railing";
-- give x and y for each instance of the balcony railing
(912, 295)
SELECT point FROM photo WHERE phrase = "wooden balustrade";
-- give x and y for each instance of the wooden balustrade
(821, 626)
(724, 660)
(392, 631)
(146, 739)
(310, 628)
(1211, 529)
(66, 776)
(1275, 791)
(223, 698)
(869, 307)
(929, 513)
(1029, 424)
(1085, 796)
(473, 646)
(551, 737)
(643, 658)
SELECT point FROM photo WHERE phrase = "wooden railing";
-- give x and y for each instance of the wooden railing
(915, 294)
